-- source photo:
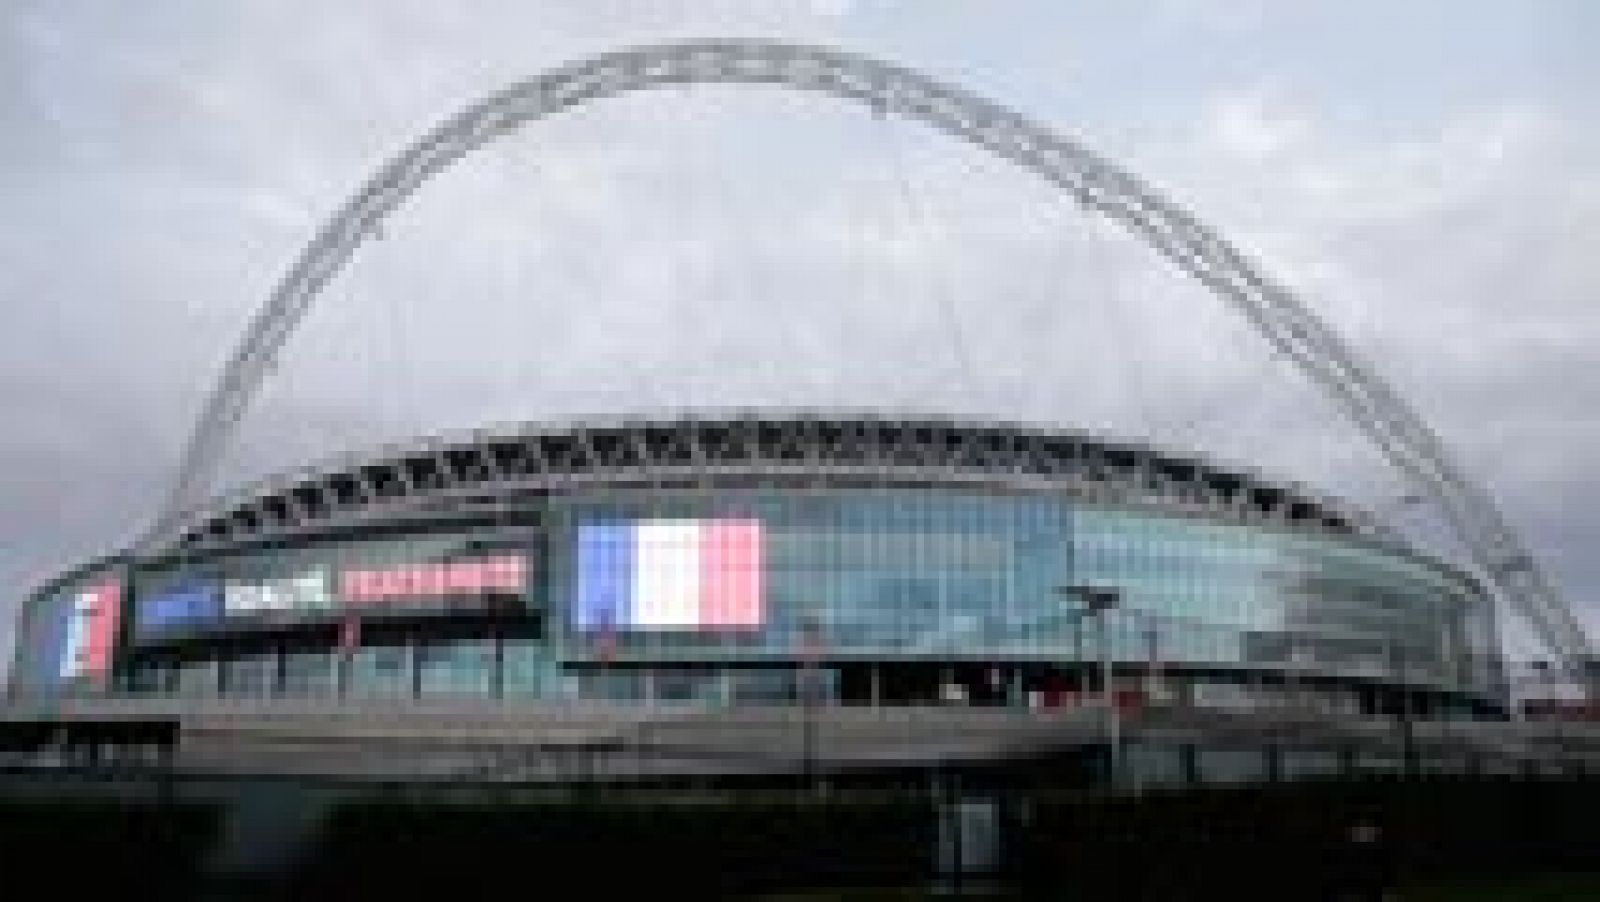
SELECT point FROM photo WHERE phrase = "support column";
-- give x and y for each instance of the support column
(497, 676)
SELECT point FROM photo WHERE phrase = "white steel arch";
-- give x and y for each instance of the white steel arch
(1090, 180)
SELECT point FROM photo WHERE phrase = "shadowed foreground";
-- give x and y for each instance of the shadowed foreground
(1468, 838)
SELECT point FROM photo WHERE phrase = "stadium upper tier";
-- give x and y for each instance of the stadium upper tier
(478, 470)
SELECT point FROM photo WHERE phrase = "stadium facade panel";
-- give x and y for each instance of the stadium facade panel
(747, 559)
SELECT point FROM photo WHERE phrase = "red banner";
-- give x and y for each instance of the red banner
(498, 575)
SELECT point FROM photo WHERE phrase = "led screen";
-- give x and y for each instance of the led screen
(679, 574)
(90, 632)
(505, 574)
(187, 604)
(301, 592)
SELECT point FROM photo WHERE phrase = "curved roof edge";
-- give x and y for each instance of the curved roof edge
(832, 440)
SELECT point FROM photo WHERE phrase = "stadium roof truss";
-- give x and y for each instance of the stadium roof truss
(477, 472)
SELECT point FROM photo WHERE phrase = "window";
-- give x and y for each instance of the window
(527, 669)
(250, 675)
(309, 673)
(381, 671)
(152, 677)
(457, 667)
(676, 684)
(197, 677)
(1230, 765)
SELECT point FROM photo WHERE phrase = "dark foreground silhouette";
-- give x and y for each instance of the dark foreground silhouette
(1466, 838)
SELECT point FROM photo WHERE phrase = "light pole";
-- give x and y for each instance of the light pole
(1099, 601)
(1408, 746)
(1154, 681)
(810, 652)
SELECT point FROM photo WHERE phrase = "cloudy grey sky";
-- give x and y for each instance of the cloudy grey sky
(1427, 173)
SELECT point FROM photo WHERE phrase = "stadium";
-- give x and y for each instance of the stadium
(739, 562)
(911, 561)
(932, 631)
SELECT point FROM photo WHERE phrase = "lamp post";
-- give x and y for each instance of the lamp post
(810, 652)
(1099, 601)
(1408, 746)
(1154, 675)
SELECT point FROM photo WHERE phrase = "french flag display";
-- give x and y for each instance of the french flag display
(91, 632)
(669, 575)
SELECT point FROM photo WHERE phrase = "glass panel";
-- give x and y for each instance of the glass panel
(765, 686)
(310, 673)
(152, 677)
(459, 667)
(1303, 763)
(528, 668)
(381, 671)
(610, 684)
(197, 678)
(682, 685)
(1154, 765)
(255, 674)
(1222, 765)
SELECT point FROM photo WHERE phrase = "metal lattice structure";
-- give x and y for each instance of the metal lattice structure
(489, 470)
(1093, 182)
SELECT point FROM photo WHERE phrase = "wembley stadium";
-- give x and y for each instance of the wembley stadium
(720, 560)
(765, 648)
(664, 593)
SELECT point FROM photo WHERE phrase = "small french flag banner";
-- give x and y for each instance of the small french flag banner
(91, 632)
(669, 574)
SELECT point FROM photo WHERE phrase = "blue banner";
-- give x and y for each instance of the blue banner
(183, 605)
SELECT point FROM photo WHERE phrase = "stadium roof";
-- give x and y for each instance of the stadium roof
(481, 468)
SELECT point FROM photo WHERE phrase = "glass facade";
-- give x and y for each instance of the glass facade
(903, 574)
(880, 594)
